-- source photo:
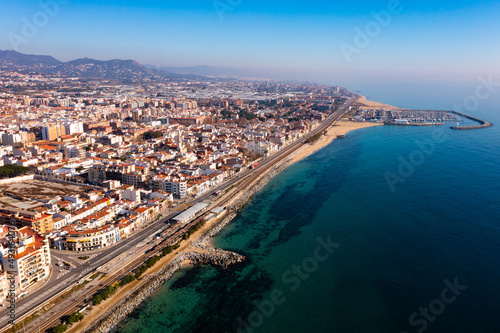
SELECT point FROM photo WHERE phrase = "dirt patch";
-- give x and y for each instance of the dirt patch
(29, 191)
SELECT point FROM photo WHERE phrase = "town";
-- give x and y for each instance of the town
(89, 163)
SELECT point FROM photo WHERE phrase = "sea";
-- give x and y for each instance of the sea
(391, 230)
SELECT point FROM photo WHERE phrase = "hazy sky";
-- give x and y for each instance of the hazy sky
(419, 40)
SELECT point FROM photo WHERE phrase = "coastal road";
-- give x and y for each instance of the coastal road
(54, 286)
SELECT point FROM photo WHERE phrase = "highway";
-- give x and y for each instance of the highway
(54, 286)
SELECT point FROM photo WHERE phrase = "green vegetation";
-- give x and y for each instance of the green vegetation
(75, 317)
(104, 294)
(167, 250)
(127, 279)
(150, 263)
(20, 325)
(83, 258)
(152, 135)
(314, 138)
(153, 260)
(10, 170)
(195, 228)
(109, 291)
(94, 276)
(247, 115)
(60, 328)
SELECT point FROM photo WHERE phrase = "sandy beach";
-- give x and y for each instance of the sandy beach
(340, 128)
(363, 102)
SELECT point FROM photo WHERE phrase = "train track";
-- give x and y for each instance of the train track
(177, 235)
(286, 152)
(80, 301)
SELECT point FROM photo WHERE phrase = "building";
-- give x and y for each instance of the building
(135, 179)
(52, 132)
(132, 195)
(99, 173)
(190, 213)
(72, 128)
(26, 255)
(92, 239)
(40, 222)
(11, 139)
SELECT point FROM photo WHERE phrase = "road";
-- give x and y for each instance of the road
(54, 286)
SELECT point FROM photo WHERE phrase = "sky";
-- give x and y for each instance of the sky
(327, 41)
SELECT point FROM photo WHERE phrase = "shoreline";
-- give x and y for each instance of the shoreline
(363, 102)
(173, 264)
(342, 127)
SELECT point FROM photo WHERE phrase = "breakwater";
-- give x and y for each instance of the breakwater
(215, 257)
(482, 123)
(439, 113)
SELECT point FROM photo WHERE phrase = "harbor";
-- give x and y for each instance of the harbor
(406, 117)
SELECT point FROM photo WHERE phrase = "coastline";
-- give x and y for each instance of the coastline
(340, 128)
(363, 102)
(158, 275)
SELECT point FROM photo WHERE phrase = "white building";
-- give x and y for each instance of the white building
(28, 257)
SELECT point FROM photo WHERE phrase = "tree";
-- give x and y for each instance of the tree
(152, 135)
(60, 328)
(75, 317)
(127, 279)
(97, 299)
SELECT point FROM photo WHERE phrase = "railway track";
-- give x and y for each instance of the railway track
(80, 301)
(266, 165)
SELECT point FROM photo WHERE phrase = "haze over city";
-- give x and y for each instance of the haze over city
(419, 41)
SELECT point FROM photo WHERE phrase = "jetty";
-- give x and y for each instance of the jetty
(482, 123)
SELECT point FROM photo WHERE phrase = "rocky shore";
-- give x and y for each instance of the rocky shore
(214, 257)
(120, 312)
(210, 256)
(207, 255)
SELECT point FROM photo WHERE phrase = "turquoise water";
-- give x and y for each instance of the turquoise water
(390, 248)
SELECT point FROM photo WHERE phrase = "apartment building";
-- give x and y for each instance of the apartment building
(25, 254)
(92, 239)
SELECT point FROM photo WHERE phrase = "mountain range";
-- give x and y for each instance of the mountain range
(115, 69)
